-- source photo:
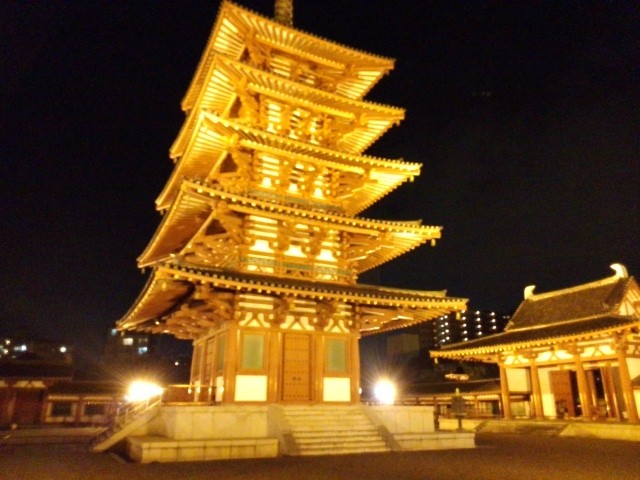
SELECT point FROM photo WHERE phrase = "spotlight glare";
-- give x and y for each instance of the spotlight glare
(385, 392)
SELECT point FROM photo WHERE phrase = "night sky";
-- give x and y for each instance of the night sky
(525, 115)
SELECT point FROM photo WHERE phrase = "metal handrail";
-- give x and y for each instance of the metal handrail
(130, 411)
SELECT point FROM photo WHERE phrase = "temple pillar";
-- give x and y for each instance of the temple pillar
(620, 346)
(583, 386)
(536, 392)
(610, 392)
(504, 392)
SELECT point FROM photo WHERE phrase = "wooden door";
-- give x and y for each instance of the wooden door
(28, 406)
(560, 382)
(296, 368)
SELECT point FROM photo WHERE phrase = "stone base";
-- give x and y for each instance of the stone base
(161, 449)
(436, 441)
(413, 428)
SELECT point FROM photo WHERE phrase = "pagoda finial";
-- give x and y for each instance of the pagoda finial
(284, 12)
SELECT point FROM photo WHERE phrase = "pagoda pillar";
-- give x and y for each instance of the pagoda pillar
(273, 371)
(620, 346)
(231, 364)
(504, 392)
(318, 363)
(355, 368)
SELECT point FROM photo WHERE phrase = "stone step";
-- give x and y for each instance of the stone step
(331, 430)
(339, 442)
(330, 422)
(345, 451)
(301, 414)
(371, 432)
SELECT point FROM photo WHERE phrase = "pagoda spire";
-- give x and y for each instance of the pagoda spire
(284, 12)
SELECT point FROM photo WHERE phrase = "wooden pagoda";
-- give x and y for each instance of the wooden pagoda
(259, 250)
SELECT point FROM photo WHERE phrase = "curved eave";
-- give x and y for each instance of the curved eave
(158, 297)
(234, 23)
(172, 283)
(229, 280)
(219, 93)
(401, 236)
(209, 143)
(504, 342)
(192, 208)
(178, 226)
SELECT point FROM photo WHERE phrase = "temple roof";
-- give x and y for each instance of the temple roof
(210, 143)
(582, 301)
(219, 93)
(171, 283)
(194, 207)
(580, 312)
(235, 24)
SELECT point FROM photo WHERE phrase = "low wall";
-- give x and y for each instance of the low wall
(404, 419)
(207, 422)
(610, 431)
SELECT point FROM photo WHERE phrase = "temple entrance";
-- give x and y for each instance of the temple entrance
(563, 390)
(296, 368)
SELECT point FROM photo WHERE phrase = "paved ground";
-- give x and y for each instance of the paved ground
(503, 457)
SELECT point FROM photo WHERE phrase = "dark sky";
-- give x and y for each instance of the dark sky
(526, 116)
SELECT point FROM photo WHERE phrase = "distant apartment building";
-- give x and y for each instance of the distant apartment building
(468, 325)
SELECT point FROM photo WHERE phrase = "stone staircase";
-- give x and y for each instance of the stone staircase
(331, 430)
(128, 419)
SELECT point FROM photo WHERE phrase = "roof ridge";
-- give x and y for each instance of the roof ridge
(568, 322)
(576, 288)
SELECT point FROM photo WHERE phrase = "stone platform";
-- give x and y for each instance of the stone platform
(198, 432)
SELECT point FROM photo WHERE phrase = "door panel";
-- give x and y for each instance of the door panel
(562, 390)
(296, 368)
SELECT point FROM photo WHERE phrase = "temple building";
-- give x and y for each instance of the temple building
(568, 353)
(257, 256)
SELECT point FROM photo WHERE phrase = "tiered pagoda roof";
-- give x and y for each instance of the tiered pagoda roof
(209, 144)
(235, 26)
(172, 282)
(194, 209)
(271, 151)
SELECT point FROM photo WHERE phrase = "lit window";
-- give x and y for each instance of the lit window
(142, 350)
(479, 333)
(494, 327)
(63, 349)
(128, 341)
(114, 332)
